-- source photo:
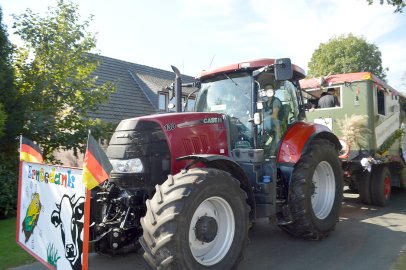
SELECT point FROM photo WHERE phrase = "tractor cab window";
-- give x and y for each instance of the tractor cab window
(280, 109)
(229, 94)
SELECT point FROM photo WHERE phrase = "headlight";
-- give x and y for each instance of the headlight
(127, 165)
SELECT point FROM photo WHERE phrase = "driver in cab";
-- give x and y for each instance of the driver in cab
(272, 106)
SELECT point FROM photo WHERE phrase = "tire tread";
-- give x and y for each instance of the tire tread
(302, 225)
(163, 215)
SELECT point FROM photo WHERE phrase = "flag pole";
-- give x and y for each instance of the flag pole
(85, 263)
(87, 143)
(21, 143)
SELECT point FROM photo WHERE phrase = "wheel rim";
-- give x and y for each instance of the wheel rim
(323, 193)
(209, 253)
(387, 187)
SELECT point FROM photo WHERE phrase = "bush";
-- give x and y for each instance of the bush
(8, 185)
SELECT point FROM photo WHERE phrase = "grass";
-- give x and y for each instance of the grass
(11, 254)
(400, 263)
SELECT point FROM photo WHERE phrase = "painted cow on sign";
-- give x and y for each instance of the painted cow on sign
(69, 217)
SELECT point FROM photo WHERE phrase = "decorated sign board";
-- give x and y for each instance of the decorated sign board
(53, 215)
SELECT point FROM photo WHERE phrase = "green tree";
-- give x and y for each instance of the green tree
(345, 54)
(5, 71)
(12, 124)
(3, 118)
(53, 72)
(10, 127)
(398, 4)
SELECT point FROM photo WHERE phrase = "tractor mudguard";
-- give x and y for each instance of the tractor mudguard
(298, 138)
(226, 164)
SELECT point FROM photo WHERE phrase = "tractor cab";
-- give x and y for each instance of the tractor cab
(260, 100)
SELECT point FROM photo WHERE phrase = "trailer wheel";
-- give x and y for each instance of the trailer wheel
(196, 220)
(364, 187)
(380, 185)
(315, 192)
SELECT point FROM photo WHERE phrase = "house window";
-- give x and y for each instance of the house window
(163, 101)
(381, 102)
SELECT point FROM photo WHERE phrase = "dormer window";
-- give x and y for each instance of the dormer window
(163, 101)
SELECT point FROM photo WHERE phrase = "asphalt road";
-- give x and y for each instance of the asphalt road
(369, 238)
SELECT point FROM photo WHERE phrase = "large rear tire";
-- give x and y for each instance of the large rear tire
(380, 185)
(315, 192)
(196, 220)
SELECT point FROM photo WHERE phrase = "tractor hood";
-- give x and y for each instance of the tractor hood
(184, 133)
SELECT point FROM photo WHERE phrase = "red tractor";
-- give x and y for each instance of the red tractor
(245, 153)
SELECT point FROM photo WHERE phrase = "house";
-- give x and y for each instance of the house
(141, 90)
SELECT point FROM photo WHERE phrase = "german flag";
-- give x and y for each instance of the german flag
(96, 165)
(29, 151)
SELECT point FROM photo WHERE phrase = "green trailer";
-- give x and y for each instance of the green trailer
(367, 119)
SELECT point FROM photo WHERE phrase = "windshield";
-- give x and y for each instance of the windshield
(229, 94)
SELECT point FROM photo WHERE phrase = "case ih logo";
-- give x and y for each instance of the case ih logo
(213, 120)
(208, 120)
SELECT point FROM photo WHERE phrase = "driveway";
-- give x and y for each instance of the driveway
(366, 237)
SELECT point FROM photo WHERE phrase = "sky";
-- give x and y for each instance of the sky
(198, 34)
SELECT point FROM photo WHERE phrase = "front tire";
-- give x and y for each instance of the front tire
(315, 192)
(196, 220)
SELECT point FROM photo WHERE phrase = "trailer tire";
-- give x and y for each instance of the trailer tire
(364, 187)
(314, 215)
(197, 219)
(380, 185)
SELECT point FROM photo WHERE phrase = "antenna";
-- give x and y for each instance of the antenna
(211, 62)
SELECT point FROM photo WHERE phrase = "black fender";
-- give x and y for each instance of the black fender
(226, 164)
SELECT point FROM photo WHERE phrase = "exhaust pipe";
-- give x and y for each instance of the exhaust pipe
(178, 89)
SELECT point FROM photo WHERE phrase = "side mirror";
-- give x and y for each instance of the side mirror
(283, 69)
